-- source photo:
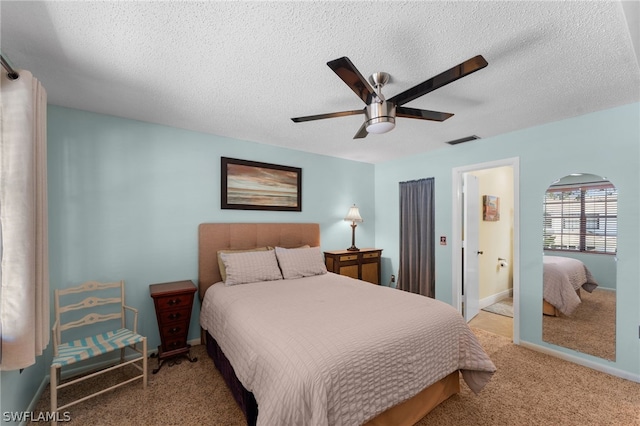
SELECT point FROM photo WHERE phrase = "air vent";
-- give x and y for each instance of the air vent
(462, 140)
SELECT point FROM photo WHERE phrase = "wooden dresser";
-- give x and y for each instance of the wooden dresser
(363, 264)
(173, 302)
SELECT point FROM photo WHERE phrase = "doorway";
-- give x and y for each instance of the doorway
(501, 255)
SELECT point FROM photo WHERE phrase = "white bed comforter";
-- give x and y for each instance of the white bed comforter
(333, 350)
(562, 276)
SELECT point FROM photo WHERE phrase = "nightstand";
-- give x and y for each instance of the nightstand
(363, 264)
(173, 302)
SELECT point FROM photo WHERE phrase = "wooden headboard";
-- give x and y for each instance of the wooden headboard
(222, 236)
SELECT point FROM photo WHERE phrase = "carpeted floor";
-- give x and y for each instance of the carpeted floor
(529, 388)
(590, 329)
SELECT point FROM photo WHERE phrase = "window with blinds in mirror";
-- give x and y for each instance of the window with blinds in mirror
(581, 217)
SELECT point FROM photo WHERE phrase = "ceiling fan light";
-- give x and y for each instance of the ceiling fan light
(381, 125)
(381, 117)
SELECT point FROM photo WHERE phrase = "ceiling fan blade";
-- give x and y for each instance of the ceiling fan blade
(362, 132)
(422, 114)
(329, 115)
(350, 75)
(467, 67)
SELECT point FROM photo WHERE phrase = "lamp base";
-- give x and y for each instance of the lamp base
(353, 238)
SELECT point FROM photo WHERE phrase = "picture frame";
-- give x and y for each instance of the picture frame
(490, 208)
(253, 185)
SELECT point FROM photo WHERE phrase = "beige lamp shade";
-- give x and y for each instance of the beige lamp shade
(353, 215)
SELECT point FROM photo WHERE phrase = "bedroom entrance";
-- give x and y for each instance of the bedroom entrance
(485, 245)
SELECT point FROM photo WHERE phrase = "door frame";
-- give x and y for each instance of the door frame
(456, 232)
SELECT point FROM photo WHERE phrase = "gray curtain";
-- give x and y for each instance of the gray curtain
(417, 240)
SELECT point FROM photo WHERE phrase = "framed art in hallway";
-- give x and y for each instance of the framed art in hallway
(490, 208)
(252, 185)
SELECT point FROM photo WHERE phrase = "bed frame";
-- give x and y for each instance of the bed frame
(222, 236)
(550, 310)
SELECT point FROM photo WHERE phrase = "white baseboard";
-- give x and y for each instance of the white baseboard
(487, 301)
(582, 361)
(36, 398)
(606, 288)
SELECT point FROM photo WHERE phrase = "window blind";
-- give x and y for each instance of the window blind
(581, 218)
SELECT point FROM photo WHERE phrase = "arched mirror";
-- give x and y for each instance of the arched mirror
(580, 214)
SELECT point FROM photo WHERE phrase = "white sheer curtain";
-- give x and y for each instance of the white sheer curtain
(24, 295)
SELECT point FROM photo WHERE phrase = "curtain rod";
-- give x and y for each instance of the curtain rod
(11, 73)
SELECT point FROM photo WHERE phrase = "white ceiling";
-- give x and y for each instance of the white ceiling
(243, 69)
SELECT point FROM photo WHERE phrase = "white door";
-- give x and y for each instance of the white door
(470, 244)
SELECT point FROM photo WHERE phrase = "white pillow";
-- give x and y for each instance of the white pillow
(300, 262)
(223, 271)
(250, 267)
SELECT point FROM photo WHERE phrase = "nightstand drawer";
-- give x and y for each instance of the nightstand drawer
(175, 301)
(174, 344)
(347, 258)
(173, 316)
(174, 331)
(370, 255)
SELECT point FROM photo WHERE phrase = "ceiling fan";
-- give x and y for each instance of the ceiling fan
(380, 113)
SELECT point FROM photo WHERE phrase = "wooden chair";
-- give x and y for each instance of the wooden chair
(107, 309)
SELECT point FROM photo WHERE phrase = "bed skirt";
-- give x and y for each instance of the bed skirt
(243, 397)
(404, 414)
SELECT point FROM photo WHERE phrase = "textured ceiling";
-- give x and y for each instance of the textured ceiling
(243, 69)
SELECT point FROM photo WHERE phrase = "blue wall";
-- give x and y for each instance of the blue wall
(126, 198)
(605, 143)
(17, 389)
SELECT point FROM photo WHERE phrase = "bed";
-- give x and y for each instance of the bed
(563, 279)
(323, 348)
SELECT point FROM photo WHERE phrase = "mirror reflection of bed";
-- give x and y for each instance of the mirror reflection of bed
(579, 265)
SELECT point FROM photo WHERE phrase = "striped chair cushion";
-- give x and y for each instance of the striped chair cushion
(81, 349)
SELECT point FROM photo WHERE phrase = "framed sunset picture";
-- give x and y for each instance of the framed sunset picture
(251, 185)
